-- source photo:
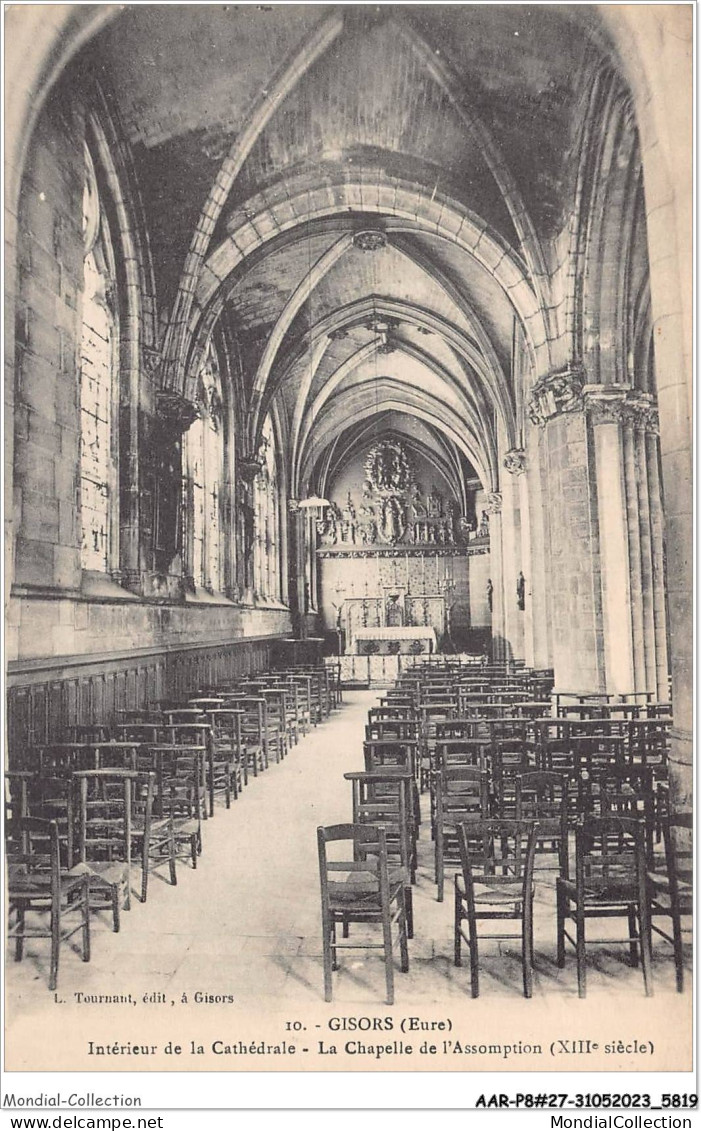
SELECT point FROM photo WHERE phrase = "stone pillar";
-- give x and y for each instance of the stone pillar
(518, 546)
(295, 564)
(604, 407)
(654, 492)
(638, 583)
(572, 557)
(537, 588)
(500, 649)
(640, 416)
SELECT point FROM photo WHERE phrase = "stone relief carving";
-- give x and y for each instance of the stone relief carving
(394, 508)
(515, 461)
(370, 240)
(555, 393)
(174, 414)
(494, 501)
(566, 391)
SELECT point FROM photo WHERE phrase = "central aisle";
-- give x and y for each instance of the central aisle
(246, 923)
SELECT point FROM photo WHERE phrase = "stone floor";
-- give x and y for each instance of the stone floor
(246, 923)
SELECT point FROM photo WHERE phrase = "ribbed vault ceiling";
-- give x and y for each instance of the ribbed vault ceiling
(452, 124)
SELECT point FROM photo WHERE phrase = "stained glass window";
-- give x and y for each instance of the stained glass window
(203, 467)
(267, 580)
(97, 369)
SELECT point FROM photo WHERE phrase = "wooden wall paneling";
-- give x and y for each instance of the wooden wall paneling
(88, 695)
(40, 704)
(55, 709)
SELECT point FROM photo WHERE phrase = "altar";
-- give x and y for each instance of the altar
(393, 623)
(408, 640)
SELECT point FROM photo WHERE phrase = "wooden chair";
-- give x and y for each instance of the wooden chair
(228, 766)
(495, 884)
(357, 889)
(303, 684)
(380, 752)
(152, 837)
(53, 799)
(88, 732)
(195, 733)
(609, 882)
(509, 759)
(181, 796)
(118, 826)
(105, 837)
(385, 799)
(36, 882)
(462, 795)
(542, 797)
(670, 891)
(254, 734)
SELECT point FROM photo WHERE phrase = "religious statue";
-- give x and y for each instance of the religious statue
(435, 503)
(367, 525)
(449, 511)
(348, 521)
(387, 467)
(521, 592)
(483, 531)
(393, 519)
(394, 614)
(490, 593)
(327, 527)
(417, 507)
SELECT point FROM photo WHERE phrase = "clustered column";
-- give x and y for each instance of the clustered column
(570, 556)
(606, 547)
(516, 533)
(500, 650)
(624, 423)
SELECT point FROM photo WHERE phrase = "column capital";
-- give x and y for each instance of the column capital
(641, 409)
(556, 393)
(605, 404)
(515, 461)
(621, 404)
(249, 467)
(293, 506)
(174, 414)
(494, 501)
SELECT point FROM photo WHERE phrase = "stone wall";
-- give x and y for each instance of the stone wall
(55, 610)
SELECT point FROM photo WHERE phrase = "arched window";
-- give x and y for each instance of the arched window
(203, 470)
(266, 576)
(98, 387)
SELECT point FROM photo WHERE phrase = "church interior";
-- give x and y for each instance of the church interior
(348, 431)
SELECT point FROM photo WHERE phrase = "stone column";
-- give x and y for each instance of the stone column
(641, 411)
(519, 622)
(636, 526)
(499, 642)
(654, 492)
(570, 528)
(295, 565)
(540, 510)
(604, 404)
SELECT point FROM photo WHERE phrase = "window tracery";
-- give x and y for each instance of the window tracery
(266, 571)
(98, 386)
(203, 471)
